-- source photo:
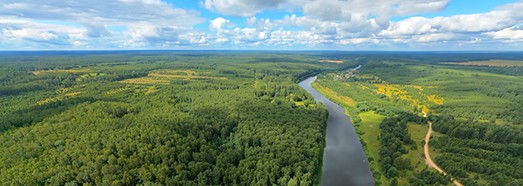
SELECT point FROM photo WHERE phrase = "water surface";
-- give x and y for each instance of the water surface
(344, 162)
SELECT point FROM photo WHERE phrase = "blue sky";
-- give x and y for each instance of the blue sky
(261, 24)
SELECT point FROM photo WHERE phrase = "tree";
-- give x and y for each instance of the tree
(391, 172)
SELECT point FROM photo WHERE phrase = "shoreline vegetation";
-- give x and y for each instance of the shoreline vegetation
(342, 151)
(382, 91)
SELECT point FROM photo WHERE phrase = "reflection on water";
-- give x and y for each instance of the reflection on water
(344, 162)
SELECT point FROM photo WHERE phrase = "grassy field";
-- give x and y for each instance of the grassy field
(165, 76)
(416, 156)
(38, 72)
(493, 63)
(347, 101)
(331, 61)
(369, 132)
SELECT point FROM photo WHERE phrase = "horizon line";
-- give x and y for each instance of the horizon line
(252, 50)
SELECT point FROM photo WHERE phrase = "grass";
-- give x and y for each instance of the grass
(150, 90)
(436, 99)
(416, 155)
(165, 76)
(176, 72)
(82, 70)
(494, 63)
(117, 91)
(146, 80)
(185, 77)
(347, 101)
(72, 94)
(331, 61)
(63, 94)
(369, 127)
(89, 75)
(417, 133)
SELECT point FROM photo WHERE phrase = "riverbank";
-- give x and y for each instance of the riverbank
(344, 161)
(357, 98)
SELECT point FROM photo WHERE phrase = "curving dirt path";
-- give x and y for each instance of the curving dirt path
(428, 159)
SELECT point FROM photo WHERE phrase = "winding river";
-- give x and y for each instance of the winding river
(344, 162)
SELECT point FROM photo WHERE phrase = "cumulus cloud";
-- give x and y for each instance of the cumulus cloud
(251, 20)
(96, 30)
(26, 30)
(508, 34)
(363, 18)
(241, 7)
(359, 22)
(485, 30)
(327, 20)
(153, 36)
(433, 37)
(102, 11)
(218, 24)
(305, 24)
(94, 17)
(326, 10)
(498, 19)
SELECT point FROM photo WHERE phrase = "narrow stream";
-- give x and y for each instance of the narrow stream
(344, 161)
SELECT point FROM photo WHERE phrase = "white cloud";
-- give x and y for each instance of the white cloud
(296, 38)
(218, 24)
(433, 37)
(358, 41)
(308, 24)
(152, 18)
(251, 21)
(411, 26)
(96, 30)
(144, 35)
(16, 29)
(30, 34)
(326, 10)
(507, 34)
(498, 19)
(112, 12)
(242, 7)
(327, 21)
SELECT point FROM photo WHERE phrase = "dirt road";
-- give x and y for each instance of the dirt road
(428, 159)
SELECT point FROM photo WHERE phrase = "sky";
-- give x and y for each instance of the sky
(395, 25)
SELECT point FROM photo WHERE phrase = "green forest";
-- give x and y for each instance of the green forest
(160, 119)
(240, 118)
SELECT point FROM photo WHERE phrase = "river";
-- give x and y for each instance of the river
(344, 161)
